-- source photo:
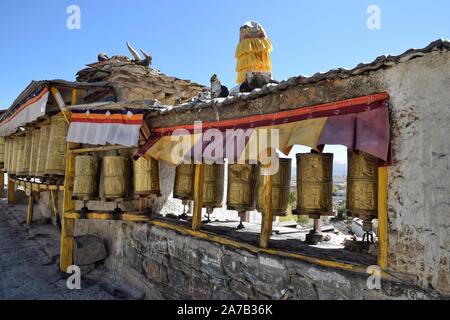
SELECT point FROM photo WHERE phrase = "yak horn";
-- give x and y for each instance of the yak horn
(133, 52)
(146, 55)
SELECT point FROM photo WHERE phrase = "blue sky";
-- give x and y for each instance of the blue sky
(196, 38)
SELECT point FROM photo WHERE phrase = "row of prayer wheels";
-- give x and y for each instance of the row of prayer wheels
(314, 186)
(37, 152)
(115, 171)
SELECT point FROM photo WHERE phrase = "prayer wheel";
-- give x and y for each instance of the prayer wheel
(281, 187)
(146, 176)
(213, 186)
(20, 152)
(184, 182)
(2, 152)
(362, 187)
(23, 164)
(35, 137)
(115, 177)
(13, 158)
(57, 147)
(42, 150)
(241, 187)
(86, 177)
(315, 185)
(7, 153)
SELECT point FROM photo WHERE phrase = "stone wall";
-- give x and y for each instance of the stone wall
(169, 265)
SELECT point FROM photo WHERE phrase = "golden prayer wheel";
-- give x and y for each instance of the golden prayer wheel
(184, 182)
(20, 153)
(6, 158)
(35, 136)
(115, 177)
(57, 147)
(2, 151)
(213, 186)
(86, 177)
(146, 176)
(42, 150)
(23, 163)
(241, 187)
(315, 184)
(362, 187)
(281, 188)
(13, 158)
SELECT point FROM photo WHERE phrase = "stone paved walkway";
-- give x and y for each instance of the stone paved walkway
(29, 263)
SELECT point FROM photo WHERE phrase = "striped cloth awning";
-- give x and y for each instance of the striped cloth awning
(28, 111)
(101, 127)
(359, 124)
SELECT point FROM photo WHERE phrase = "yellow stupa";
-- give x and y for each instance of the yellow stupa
(252, 51)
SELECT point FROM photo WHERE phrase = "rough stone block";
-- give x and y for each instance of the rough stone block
(89, 249)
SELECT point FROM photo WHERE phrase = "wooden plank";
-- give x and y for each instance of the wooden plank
(198, 196)
(383, 219)
(98, 149)
(2, 184)
(60, 102)
(267, 217)
(11, 190)
(67, 224)
(30, 210)
(126, 216)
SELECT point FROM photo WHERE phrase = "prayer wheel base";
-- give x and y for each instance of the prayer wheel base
(314, 238)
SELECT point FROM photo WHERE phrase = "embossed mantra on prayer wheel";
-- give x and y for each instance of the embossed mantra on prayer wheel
(183, 187)
(115, 175)
(213, 186)
(13, 158)
(57, 148)
(23, 163)
(19, 155)
(86, 177)
(241, 187)
(362, 188)
(43, 149)
(7, 153)
(146, 176)
(281, 187)
(2, 152)
(35, 136)
(315, 184)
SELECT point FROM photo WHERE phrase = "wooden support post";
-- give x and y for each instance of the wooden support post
(30, 209)
(267, 217)
(60, 102)
(54, 205)
(198, 196)
(11, 190)
(2, 184)
(383, 218)
(67, 225)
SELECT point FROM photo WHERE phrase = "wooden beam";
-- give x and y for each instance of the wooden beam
(97, 149)
(126, 216)
(67, 224)
(54, 197)
(60, 102)
(30, 209)
(198, 196)
(2, 184)
(11, 190)
(383, 219)
(74, 97)
(267, 217)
